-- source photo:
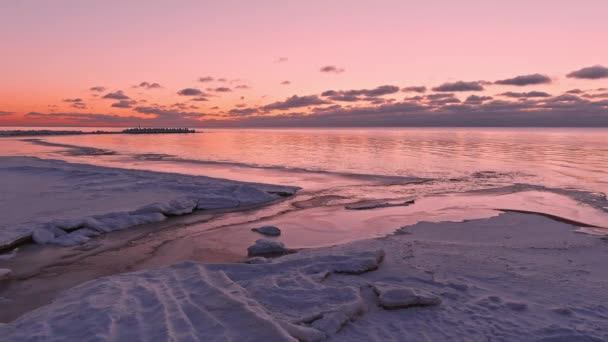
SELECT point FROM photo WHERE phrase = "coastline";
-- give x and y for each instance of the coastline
(512, 277)
(216, 241)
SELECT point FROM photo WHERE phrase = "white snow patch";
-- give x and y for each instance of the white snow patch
(46, 199)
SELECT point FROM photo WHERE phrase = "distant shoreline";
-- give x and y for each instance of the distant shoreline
(45, 132)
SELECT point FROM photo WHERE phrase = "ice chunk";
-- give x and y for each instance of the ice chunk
(5, 273)
(267, 230)
(395, 296)
(263, 247)
(217, 203)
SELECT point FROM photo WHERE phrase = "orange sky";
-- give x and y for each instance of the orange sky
(58, 50)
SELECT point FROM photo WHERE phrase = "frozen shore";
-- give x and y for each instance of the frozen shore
(514, 277)
(54, 202)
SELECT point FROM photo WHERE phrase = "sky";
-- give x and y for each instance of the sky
(273, 63)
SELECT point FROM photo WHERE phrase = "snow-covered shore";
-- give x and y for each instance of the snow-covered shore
(51, 201)
(514, 277)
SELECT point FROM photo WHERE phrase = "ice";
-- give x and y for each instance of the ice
(263, 247)
(5, 273)
(267, 230)
(46, 199)
(394, 296)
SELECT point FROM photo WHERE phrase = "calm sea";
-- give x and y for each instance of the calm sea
(566, 158)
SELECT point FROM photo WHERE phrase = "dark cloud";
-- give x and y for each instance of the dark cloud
(331, 69)
(79, 105)
(285, 82)
(242, 86)
(148, 85)
(281, 60)
(155, 117)
(475, 99)
(595, 96)
(169, 114)
(439, 96)
(190, 92)
(415, 89)
(200, 99)
(443, 100)
(117, 95)
(344, 98)
(3, 113)
(206, 79)
(76, 100)
(243, 111)
(98, 89)
(296, 102)
(460, 86)
(222, 80)
(525, 80)
(366, 94)
(124, 104)
(574, 91)
(220, 89)
(591, 73)
(525, 95)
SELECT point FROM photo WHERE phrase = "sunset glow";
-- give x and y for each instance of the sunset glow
(68, 62)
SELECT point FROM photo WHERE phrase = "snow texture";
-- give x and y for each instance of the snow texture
(515, 277)
(55, 202)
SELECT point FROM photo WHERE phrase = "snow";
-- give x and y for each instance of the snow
(393, 296)
(5, 273)
(46, 199)
(513, 277)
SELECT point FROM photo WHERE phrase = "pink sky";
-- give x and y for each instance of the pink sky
(56, 50)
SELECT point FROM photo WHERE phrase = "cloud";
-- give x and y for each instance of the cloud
(79, 105)
(460, 86)
(475, 99)
(200, 99)
(595, 96)
(220, 89)
(190, 92)
(148, 85)
(331, 69)
(243, 111)
(344, 98)
(124, 104)
(591, 73)
(295, 102)
(98, 89)
(242, 86)
(3, 113)
(206, 79)
(72, 100)
(281, 60)
(353, 95)
(285, 82)
(525, 80)
(436, 100)
(222, 80)
(574, 91)
(415, 89)
(525, 95)
(169, 113)
(439, 96)
(117, 95)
